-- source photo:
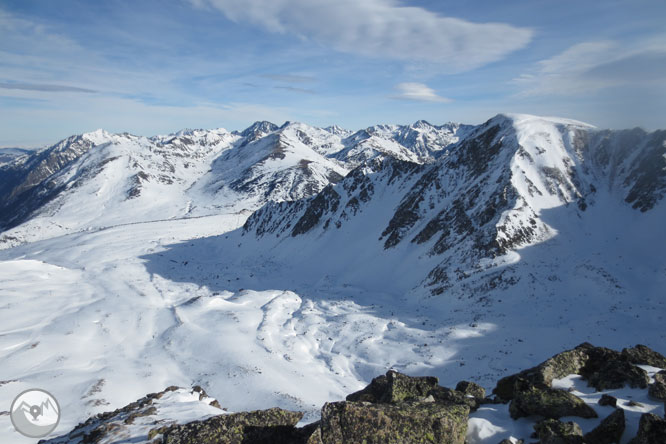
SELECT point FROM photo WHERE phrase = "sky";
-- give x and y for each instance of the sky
(152, 67)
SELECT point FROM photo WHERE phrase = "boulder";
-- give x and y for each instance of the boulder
(406, 422)
(395, 387)
(471, 389)
(657, 389)
(615, 374)
(609, 431)
(547, 402)
(274, 426)
(651, 430)
(450, 396)
(552, 431)
(561, 365)
(608, 400)
(602, 367)
(643, 355)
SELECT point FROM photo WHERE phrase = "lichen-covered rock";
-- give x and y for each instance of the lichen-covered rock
(561, 365)
(602, 367)
(450, 396)
(471, 389)
(395, 387)
(608, 400)
(407, 422)
(615, 374)
(548, 402)
(657, 389)
(552, 431)
(645, 356)
(272, 426)
(609, 431)
(651, 430)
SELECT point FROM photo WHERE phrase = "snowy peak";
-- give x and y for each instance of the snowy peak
(486, 196)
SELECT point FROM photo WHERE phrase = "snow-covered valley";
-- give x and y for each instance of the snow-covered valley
(464, 253)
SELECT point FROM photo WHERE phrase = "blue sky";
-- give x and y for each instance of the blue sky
(156, 66)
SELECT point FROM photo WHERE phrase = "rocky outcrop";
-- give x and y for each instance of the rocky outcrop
(651, 430)
(547, 402)
(552, 431)
(603, 368)
(609, 431)
(406, 422)
(644, 355)
(272, 426)
(395, 387)
(657, 389)
(401, 409)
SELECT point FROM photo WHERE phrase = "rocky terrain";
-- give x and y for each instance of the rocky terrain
(400, 409)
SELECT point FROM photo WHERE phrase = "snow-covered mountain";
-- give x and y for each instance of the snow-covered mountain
(455, 251)
(496, 191)
(100, 179)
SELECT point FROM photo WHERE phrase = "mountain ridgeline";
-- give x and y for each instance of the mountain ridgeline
(454, 195)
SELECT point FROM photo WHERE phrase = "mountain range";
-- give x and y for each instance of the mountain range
(290, 264)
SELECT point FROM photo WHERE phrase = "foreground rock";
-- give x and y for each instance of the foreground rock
(138, 418)
(609, 431)
(272, 426)
(552, 431)
(657, 389)
(548, 402)
(406, 422)
(651, 430)
(400, 409)
(603, 368)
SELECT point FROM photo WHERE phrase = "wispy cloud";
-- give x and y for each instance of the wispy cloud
(381, 28)
(290, 78)
(294, 89)
(44, 87)
(419, 92)
(592, 66)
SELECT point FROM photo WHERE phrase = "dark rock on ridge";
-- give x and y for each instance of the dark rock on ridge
(549, 403)
(270, 426)
(609, 431)
(651, 430)
(552, 431)
(395, 387)
(657, 389)
(407, 422)
(602, 367)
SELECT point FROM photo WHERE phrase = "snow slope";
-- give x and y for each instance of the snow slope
(430, 268)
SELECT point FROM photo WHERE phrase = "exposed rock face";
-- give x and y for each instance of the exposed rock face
(552, 431)
(602, 367)
(608, 400)
(471, 389)
(272, 426)
(548, 402)
(644, 355)
(609, 431)
(138, 418)
(651, 430)
(657, 389)
(395, 387)
(615, 374)
(407, 422)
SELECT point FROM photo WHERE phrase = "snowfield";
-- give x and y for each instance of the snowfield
(129, 302)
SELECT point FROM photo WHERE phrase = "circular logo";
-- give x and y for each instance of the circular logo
(35, 413)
